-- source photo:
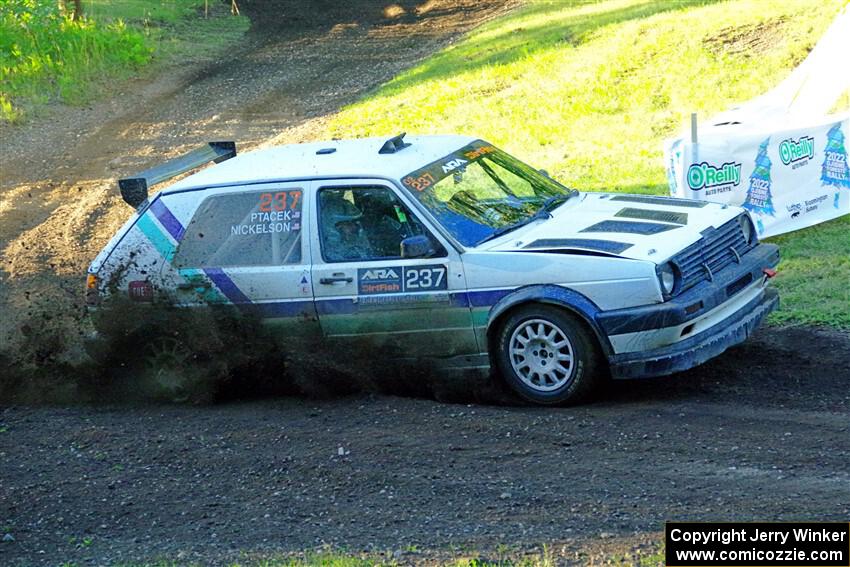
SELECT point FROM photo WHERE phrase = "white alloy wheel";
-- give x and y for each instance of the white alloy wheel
(542, 355)
(547, 354)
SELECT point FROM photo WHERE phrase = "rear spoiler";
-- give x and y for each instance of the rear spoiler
(134, 189)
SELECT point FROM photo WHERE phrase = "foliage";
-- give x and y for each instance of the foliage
(45, 55)
(589, 91)
(145, 13)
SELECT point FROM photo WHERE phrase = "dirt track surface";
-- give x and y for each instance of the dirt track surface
(762, 433)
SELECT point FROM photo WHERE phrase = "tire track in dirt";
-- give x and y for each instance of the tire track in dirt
(212, 484)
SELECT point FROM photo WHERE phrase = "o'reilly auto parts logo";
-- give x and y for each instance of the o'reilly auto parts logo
(704, 175)
(799, 153)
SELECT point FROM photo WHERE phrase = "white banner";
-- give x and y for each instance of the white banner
(780, 155)
(788, 179)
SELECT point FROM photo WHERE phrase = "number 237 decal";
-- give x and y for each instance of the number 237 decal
(427, 278)
(398, 279)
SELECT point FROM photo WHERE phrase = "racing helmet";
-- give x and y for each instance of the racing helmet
(336, 209)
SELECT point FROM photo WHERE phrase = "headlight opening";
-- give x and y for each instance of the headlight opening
(747, 228)
(667, 278)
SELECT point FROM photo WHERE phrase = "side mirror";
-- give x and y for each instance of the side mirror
(418, 246)
(544, 173)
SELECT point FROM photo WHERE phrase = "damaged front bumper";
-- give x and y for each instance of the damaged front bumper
(699, 348)
(695, 326)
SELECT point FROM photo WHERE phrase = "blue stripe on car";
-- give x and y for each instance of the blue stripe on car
(227, 286)
(167, 219)
(167, 249)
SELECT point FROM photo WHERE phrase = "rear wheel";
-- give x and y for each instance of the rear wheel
(547, 356)
(172, 372)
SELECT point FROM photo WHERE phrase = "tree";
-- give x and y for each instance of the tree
(78, 9)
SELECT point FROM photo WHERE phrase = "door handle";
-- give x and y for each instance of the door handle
(336, 279)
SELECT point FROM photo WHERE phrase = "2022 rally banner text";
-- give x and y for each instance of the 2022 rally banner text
(740, 544)
(787, 179)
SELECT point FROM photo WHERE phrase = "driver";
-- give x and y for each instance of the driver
(344, 238)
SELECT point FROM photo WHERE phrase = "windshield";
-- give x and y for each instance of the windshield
(479, 191)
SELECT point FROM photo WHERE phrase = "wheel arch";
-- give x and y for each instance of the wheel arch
(569, 300)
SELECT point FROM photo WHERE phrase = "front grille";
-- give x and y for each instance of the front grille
(718, 248)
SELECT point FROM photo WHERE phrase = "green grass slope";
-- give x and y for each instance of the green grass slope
(46, 56)
(588, 90)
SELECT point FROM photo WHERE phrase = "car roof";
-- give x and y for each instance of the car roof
(351, 158)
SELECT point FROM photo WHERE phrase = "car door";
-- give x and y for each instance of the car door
(367, 294)
(244, 246)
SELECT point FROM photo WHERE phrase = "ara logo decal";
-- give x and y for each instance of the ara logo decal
(409, 279)
(799, 153)
(704, 175)
(453, 164)
(378, 280)
(379, 274)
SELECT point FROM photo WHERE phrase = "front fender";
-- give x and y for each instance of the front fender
(549, 294)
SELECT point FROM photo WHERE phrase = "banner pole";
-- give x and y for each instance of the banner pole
(694, 157)
(693, 127)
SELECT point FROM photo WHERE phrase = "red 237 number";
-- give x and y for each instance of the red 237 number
(278, 201)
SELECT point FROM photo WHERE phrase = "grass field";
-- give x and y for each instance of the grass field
(47, 57)
(589, 91)
(504, 558)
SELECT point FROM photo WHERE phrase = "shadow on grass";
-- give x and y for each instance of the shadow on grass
(513, 43)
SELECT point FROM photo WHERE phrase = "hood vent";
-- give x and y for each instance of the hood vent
(609, 246)
(667, 201)
(629, 227)
(653, 215)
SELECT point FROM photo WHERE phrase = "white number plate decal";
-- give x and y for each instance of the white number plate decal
(424, 278)
(401, 280)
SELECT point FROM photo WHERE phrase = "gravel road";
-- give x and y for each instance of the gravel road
(761, 433)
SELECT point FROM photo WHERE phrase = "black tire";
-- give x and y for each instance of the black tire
(545, 369)
(173, 373)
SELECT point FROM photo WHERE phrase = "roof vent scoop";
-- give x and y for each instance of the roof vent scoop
(134, 189)
(394, 145)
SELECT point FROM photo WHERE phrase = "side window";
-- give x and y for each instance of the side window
(366, 223)
(260, 228)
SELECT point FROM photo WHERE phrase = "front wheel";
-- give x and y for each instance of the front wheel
(546, 355)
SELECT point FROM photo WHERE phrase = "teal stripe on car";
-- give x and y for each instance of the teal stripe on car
(167, 248)
(156, 236)
(208, 294)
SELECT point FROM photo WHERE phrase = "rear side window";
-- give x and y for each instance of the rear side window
(261, 228)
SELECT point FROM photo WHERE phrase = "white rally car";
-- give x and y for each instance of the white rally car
(448, 249)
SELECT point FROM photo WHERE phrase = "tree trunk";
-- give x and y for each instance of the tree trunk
(78, 10)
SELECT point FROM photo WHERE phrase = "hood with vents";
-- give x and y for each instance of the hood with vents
(640, 227)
